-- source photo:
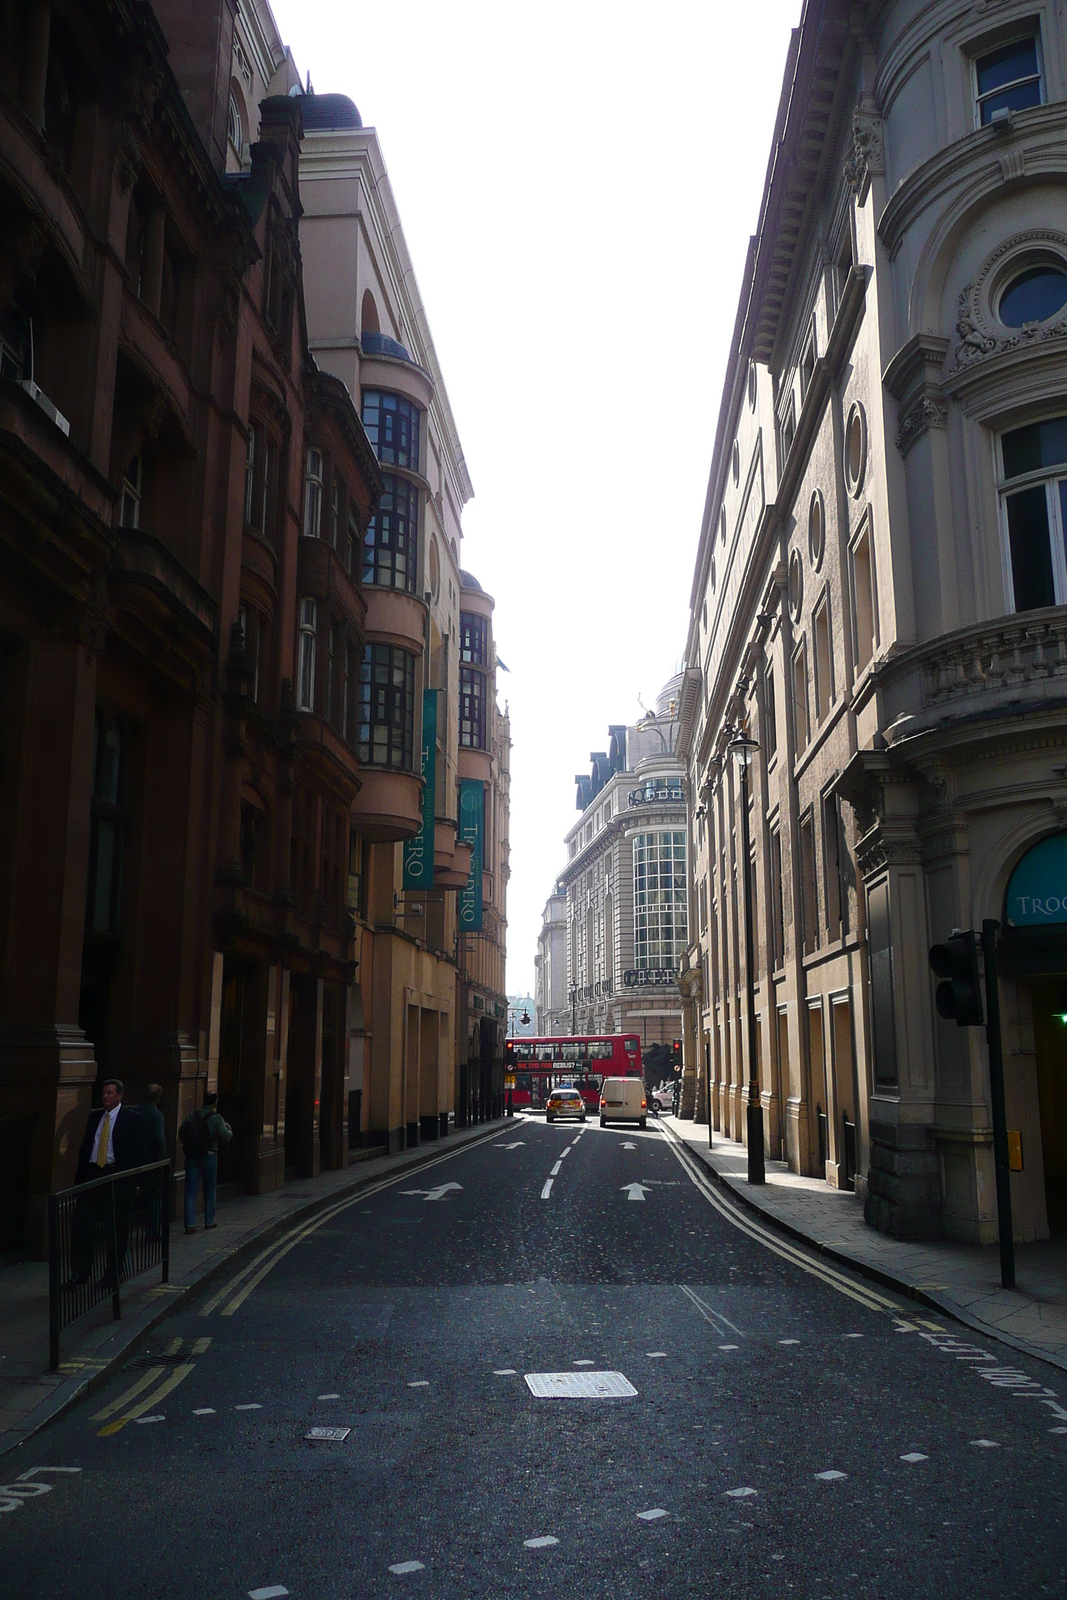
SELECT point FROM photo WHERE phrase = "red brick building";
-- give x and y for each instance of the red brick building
(183, 496)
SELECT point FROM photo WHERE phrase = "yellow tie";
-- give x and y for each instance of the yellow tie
(101, 1149)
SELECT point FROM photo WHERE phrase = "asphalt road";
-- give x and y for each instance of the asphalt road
(794, 1430)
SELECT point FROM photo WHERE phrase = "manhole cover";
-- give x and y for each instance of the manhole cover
(579, 1385)
(328, 1433)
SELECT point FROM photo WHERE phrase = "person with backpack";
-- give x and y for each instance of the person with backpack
(199, 1136)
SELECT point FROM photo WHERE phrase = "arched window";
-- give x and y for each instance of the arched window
(234, 129)
(368, 319)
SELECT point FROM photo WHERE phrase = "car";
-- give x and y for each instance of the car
(565, 1103)
(663, 1102)
(623, 1100)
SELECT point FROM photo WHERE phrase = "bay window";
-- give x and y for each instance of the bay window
(386, 730)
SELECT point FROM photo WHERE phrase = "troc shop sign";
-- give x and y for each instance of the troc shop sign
(1037, 890)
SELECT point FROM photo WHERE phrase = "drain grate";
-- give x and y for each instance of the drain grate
(579, 1385)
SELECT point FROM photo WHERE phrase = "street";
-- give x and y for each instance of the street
(793, 1429)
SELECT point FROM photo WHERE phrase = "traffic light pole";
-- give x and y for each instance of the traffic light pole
(996, 1095)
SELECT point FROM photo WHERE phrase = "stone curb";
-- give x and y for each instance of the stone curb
(888, 1280)
(133, 1332)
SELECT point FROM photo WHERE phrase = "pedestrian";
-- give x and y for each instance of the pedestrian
(114, 1141)
(115, 1138)
(151, 1111)
(199, 1135)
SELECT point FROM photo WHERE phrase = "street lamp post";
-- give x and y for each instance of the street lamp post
(744, 750)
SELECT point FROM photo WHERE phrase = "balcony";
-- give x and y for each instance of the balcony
(389, 805)
(395, 617)
(451, 859)
(475, 764)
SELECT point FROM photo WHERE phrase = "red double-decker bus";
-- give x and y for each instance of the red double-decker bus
(582, 1061)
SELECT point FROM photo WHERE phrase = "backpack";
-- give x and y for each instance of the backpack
(195, 1136)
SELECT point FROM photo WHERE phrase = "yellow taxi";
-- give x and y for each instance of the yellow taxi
(565, 1103)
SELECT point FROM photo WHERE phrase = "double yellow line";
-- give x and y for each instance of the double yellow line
(236, 1291)
(794, 1254)
(129, 1411)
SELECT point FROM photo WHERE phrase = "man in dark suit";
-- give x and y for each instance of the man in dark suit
(115, 1137)
(115, 1141)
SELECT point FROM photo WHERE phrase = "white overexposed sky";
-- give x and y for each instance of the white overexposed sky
(577, 184)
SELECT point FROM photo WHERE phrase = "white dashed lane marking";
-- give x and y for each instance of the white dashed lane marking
(541, 1543)
(915, 1455)
(986, 1444)
(504, 1372)
(400, 1567)
(547, 1190)
(656, 1355)
(831, 1476)
(729, 1347)
(329, 1397)
(653, 1515)
(740, 1494)
(274, 1592)
(204, 1411)
(789, 1341)
(253, 1405)
(419, 1383)
(142, 1420)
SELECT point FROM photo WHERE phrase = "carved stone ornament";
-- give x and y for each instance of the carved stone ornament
(128, 159)
(30, 240)
(927, 411)
(868, 151)
(978, 330)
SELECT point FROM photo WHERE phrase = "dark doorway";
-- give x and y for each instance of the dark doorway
(241, 1060)
(301, 1094)
(331, 1109)
(16, 1145)
(1049, 1000)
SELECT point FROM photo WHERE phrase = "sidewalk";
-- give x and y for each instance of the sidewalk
(959, 1279)
(92, 1348)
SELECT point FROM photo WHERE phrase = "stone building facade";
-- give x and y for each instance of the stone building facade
(425, 988)
(171, 886)
(550, 967)
(879, 601)
(230, 612)
(625, 884)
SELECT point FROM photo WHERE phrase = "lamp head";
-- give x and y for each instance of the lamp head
(743, 749)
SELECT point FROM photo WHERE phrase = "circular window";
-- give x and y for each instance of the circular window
(722, 526)
(816, 530)
(796, 584)
(735, 461)
(1033, 296)
(752, 385)
(855, 448)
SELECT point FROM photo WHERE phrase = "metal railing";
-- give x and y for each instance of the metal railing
(101, 1234)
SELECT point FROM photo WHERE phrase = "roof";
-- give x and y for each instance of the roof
(324, 111)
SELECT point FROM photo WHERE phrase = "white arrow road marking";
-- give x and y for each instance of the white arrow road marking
(629, 1147)
(634, 1191)
(434, 1194)
(514, 1146)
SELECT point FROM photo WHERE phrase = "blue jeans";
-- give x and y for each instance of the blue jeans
(205, 1170)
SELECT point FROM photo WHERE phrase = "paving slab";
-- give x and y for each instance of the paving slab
(958, 1279)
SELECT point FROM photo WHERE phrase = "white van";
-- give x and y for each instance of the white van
(623, 1100)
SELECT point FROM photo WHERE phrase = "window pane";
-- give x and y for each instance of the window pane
(1043, 444)
(1017, 98)
(1007, 65)
(1031, 553)
(1033, 296)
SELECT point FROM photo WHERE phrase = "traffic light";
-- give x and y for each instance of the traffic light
(509, 1056)
(960, 996)
(676, 1057)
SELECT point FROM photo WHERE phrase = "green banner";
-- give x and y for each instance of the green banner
(472, 832)
(418, 851)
